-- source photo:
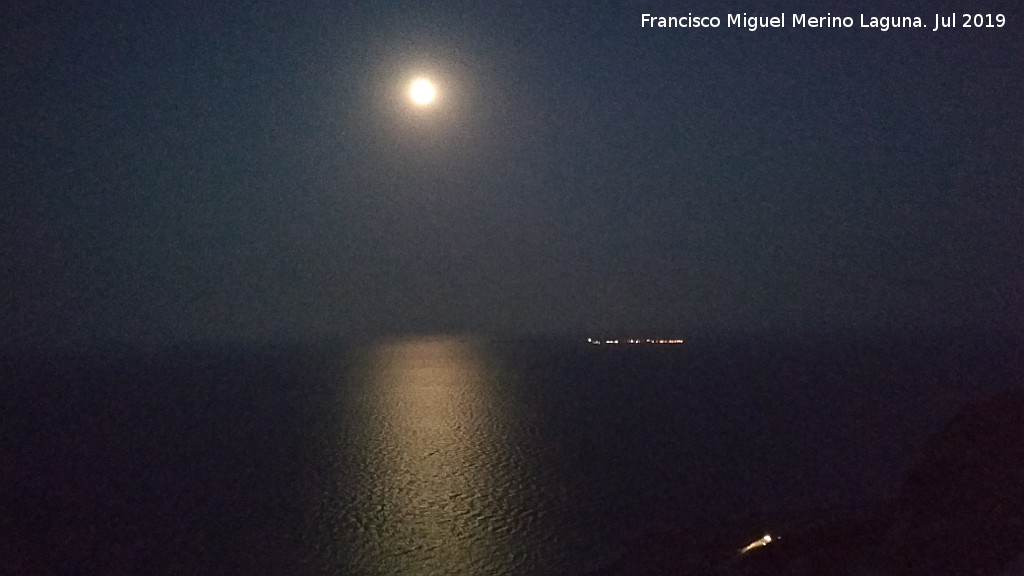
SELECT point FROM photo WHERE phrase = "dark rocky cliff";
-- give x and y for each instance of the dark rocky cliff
(960, 511)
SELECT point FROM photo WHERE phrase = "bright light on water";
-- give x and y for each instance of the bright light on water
(439, 500)
(760, 542)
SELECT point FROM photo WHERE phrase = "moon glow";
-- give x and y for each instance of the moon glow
(422, 91)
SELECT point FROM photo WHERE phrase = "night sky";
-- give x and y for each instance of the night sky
(176, 171)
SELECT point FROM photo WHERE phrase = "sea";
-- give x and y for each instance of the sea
(451, 454)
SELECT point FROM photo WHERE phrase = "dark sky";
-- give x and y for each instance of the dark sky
(191, 170)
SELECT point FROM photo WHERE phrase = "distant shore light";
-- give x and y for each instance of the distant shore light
(636, 341)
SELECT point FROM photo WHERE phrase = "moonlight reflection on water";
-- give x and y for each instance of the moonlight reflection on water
(435, 493)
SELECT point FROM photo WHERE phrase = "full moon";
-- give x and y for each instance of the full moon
(422, 91)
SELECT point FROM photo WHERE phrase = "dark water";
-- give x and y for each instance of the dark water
(449, 455)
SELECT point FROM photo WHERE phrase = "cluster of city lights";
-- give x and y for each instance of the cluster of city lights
(635, 341)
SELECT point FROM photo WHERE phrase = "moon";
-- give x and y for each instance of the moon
(422, 91)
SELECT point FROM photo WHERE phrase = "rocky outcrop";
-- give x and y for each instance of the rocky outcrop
(960, 511)
(961, 508)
